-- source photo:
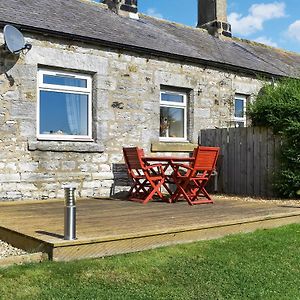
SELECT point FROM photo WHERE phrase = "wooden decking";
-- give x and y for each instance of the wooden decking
(108, 227)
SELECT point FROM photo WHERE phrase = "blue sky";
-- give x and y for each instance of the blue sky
(272, 22)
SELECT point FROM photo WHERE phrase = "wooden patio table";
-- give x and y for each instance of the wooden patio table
(168, 163)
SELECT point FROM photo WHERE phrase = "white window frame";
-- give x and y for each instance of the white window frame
(171, 104)
(66, 89)
(239, 119)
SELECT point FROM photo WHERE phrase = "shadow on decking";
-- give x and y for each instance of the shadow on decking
(121, 182)
(52, 234)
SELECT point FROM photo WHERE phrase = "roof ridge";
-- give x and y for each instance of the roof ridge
(259, 44)
(174, 23)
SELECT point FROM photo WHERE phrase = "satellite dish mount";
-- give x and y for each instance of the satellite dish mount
(14, 40)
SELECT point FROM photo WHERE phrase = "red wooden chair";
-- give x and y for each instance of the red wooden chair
(147, 179)
(192, 179)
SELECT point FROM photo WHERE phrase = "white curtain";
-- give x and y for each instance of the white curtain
(77, 114)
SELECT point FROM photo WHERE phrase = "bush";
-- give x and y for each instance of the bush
(277, 106)
(288, 177)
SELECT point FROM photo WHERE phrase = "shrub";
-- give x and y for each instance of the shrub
(277, 106)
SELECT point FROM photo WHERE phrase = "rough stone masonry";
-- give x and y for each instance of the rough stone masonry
(126, 97)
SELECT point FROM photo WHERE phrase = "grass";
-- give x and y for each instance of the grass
(260, 265)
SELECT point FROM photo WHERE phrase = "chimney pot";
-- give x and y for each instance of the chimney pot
(128, 8)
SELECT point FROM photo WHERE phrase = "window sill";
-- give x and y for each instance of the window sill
(172, 147)
(63, 146)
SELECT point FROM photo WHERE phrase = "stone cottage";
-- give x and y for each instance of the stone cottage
(102, 76)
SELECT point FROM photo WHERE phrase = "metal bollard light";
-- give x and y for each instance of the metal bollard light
(70, 214)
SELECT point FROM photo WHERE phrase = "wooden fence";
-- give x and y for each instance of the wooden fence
(248, 159)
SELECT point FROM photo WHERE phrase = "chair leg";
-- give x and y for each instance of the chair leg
(138, 188)
(191, 193)
(154, 188)
(181, 190)
(201, 189)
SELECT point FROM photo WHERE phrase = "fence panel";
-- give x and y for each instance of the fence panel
(248, 159)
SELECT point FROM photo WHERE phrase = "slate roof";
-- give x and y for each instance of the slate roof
(88, 21)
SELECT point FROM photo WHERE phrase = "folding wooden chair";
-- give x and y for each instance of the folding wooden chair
(192, 179)
(146, 179)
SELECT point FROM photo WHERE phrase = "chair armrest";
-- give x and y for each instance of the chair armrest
(181, 170)
(177, 166)
(156, 169)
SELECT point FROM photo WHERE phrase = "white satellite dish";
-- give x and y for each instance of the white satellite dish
(14, 40)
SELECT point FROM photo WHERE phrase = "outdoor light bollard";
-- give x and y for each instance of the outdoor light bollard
(70, 214)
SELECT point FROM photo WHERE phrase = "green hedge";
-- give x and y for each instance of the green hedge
(278, 106)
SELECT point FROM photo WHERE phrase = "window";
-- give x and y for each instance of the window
(240, 110)
(64, 106)
(173, 116)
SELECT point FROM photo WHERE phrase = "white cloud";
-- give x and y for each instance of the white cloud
(267, 41)
(153, 13)
(294, 30)
(258, 14)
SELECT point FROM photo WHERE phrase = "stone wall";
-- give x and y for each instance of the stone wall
(126, 95)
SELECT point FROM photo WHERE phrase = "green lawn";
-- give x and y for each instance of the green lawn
(260, 265)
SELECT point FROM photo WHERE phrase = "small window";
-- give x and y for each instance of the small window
(173, 116)
(240, 110)
(64, 106)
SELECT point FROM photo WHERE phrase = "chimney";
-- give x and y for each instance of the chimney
(212, 16)
(127, 8)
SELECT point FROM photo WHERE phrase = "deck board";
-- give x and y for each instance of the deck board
(111, 226)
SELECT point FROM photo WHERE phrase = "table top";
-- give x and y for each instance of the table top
(167, 158)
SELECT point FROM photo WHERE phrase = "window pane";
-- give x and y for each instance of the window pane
(172, 97)
(63, 113)
(239, 108)
(171, 122)
(64, 80)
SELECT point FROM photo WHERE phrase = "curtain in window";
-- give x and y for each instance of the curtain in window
(75, 108)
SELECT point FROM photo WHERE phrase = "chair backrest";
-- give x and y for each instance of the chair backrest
(132, 157)
(205, 158)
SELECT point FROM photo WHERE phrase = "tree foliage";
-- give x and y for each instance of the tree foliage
(278, 106)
